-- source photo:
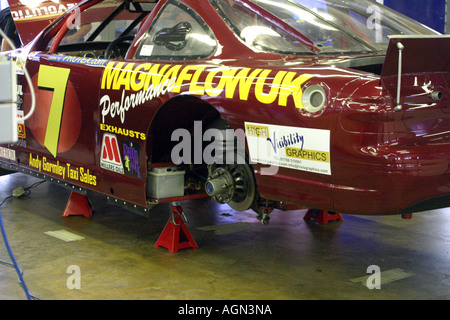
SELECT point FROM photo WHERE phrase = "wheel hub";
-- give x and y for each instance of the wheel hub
(231, 184)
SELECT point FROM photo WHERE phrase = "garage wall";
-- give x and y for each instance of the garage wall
(447, 20)
(433, 13)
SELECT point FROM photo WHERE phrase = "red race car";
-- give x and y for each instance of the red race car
(334, 105)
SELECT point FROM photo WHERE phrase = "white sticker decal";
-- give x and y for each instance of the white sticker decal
(297, 148)
(110, 157)
(7, 153)
(146, 50)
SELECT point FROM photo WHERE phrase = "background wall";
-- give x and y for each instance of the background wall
(432, 13)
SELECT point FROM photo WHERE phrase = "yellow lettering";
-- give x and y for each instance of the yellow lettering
(257, 131)
(110, 74)
(87, 177)
(154, 75)
(124, 78)
(232, 80)
(266, 88)
(184, 76)
(245, 84)
(141, 76)
(292, 86)
(171, 73)
(270, 97)
(227, 80)
(209, 82)
(195, 88)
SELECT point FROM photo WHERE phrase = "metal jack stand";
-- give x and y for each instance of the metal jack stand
(78, 205)
(176, 235)
(264, 208)
(322, 216)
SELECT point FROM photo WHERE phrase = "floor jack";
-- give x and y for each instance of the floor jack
(176, 235)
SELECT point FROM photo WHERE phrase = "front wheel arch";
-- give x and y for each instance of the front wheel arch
(181, 113)
(178, 113)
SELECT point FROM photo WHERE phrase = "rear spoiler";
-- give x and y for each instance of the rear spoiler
(33, 16)
(408, 56)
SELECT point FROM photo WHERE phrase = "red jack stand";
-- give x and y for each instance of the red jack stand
(406, 215)
(175, 234)
(322, 216)
(78, 205)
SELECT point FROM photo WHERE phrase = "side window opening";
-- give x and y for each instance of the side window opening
(104, 30)
(177, 33)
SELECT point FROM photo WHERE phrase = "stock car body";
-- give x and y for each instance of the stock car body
(337, 105)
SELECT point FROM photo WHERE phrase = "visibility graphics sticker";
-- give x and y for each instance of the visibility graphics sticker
(297, 148)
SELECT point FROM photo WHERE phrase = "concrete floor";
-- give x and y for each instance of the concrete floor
(238, 257)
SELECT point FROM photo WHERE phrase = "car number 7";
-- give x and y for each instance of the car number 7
(55, 79)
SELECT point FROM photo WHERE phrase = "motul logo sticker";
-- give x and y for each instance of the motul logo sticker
(110, 156)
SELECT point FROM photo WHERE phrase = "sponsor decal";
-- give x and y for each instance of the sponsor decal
(131, 156)
(43, 11)
(56, 124)
(142, 82)
(78, 60)
(257, 131)
(65, 171)
(20, 125)
(21, 130)
(110, 155)
(297, 148)
(20, 64)
(7, 153)
(123, 132)
(35, 56)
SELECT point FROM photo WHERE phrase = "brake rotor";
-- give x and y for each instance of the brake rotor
(231, 184)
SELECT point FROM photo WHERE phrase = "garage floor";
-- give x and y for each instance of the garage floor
(238, 257)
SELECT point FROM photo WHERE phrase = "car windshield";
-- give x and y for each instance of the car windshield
(332, 26)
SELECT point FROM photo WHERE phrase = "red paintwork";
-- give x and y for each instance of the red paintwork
(382, 161)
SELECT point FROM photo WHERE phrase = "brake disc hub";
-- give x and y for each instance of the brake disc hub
(231, 184)
(220, 186)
